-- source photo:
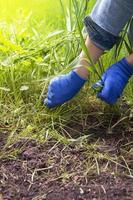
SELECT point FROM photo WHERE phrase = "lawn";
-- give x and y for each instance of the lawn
(81, 150)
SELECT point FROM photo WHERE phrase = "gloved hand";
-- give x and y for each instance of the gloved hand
(63, 88)
(114, 81)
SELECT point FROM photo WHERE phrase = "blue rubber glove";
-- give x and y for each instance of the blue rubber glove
(114, 81)
(63, 88)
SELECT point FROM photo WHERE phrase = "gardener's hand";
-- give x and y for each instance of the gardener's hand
(63, 88)
(114, 81)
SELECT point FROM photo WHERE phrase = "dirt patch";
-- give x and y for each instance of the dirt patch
(3, 138)
(51, 171)
(104, 186)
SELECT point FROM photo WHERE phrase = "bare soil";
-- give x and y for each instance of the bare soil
(52, 171)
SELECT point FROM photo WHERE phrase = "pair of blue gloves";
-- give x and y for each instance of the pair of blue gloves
(112, 83)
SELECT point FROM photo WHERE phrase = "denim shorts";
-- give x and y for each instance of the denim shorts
(107, 20)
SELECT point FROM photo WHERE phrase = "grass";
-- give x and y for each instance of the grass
(37, 42)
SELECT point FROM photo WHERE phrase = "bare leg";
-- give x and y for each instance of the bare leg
(130, 59)
(95, 54)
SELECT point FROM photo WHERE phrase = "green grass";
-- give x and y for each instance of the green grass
(39, 40)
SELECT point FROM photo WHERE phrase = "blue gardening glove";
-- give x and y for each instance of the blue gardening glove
(63, 88)
(114, 81)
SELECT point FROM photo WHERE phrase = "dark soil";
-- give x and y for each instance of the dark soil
(51, 171)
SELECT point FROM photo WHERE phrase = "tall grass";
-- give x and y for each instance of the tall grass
(29, 58)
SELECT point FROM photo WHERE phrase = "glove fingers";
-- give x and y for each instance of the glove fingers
(107, 94)
(98, 86)
(47, 102)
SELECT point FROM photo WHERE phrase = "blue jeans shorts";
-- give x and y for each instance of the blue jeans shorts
(107, 20)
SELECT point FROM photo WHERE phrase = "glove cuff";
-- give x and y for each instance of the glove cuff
(77, 80)
(127, 66)
(77, 76)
